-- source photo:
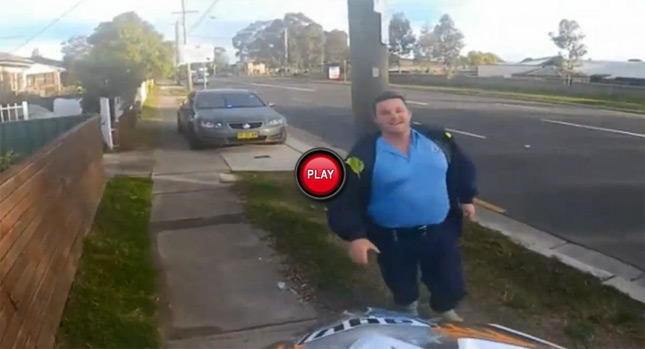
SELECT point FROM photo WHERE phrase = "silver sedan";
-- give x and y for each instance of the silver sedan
(229, 116)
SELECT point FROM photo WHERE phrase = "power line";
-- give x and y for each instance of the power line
(203, 16)
(56, 20)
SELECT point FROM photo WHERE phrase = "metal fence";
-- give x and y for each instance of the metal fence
(26, 137)
(15, 112)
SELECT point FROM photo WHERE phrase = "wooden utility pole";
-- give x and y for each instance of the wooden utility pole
(286, 47)
(189, 75)
(368, 38)
(177, 51)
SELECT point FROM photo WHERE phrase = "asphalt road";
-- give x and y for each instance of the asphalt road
(576, 172)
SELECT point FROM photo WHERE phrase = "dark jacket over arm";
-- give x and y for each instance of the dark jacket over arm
(346, 213)
(465, 175)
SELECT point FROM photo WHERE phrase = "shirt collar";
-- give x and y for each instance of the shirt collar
(414, 140)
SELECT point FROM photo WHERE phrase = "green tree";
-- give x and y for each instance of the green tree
(246, 42)
(311, 43)
(74, 50)
(117, 57)
(425, 45)
(336, 47)
(401, 37)
(129, 37)
(108, 77)
(475, 58)
(569, 39)
(265, 41)
(306, 40)
(449, 43)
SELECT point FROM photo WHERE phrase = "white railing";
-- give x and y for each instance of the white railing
(15, 112)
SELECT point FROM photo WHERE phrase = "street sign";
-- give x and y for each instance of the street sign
(381, 7)
(196, 54)
(334, 73)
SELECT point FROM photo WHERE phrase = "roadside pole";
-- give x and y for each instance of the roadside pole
(177, 75)
(205, 77)
(345, 70)
(189, 76)
(368, 38)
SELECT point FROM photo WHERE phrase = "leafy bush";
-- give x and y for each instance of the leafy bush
(7, 159)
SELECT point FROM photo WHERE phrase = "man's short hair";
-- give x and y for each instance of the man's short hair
(384, 97)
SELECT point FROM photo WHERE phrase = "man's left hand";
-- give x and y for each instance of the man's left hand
(469, 210)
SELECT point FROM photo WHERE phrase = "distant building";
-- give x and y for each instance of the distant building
(38, 75)
(252, 68)
(506, 70)
(631, 72)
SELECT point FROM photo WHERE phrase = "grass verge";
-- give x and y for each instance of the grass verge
(627, 106)
(507, 284)
(112, 303)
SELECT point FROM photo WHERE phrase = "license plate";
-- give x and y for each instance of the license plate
(247, 135)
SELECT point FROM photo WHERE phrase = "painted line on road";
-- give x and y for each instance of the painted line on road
(465, 133)
(518, 106)
(595, 128)
(417, 103)
(489, 206)
(285, 87)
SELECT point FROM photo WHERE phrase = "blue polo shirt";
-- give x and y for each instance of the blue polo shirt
(409, 190)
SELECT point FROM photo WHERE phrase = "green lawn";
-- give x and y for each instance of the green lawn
(507, 284)
(112, 303)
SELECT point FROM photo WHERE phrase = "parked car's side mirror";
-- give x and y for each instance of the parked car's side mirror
(271, 105)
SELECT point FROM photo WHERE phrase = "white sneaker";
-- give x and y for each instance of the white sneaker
(451, 315)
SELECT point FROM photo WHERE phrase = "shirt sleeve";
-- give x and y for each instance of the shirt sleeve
(345, 212)
(465, 175)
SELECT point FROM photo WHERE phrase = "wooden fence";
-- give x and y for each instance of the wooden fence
(47, 206)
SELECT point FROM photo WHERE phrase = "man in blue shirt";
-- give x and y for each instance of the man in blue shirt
(407, 189)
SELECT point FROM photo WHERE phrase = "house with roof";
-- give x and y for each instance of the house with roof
(36, 75)
(630, 72)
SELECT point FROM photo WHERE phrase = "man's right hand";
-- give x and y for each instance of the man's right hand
(358, 250)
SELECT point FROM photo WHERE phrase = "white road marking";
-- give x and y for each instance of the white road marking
(417, 103)
(518, 106)
(285, 87)
(595, 128)
(466, 133)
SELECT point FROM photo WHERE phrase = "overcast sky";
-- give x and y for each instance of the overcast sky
(513, 29)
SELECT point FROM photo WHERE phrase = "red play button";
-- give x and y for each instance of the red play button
(320, 173)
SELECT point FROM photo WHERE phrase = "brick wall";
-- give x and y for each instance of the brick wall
(47, 205)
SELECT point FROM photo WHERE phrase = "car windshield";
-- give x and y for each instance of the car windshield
(228, 100)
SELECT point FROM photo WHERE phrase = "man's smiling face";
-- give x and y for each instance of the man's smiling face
(392, 116)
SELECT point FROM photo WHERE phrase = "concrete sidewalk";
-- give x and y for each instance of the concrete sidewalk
(219, 278)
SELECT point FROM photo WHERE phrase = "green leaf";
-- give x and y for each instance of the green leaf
(356, 165)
